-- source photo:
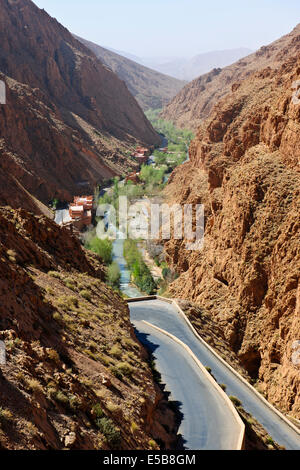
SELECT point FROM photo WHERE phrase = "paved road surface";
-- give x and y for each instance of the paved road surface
(207, 423)
(166, 317)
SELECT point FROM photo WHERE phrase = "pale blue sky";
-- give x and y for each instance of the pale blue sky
(176, 27)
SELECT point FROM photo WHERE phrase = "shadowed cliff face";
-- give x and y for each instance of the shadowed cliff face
(68, 119)
(66, 334)
(245, 169)
(152, 89)
(195, 101)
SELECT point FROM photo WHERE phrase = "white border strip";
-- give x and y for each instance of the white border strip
(228, 402)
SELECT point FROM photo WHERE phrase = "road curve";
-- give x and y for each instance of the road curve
(165, 316)
(207, 424)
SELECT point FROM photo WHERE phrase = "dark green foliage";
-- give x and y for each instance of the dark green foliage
(151, 175)
(107, 427)
(114, 275)
(103, 248)
(140, 272)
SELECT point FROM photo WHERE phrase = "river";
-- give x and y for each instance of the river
(118, 248)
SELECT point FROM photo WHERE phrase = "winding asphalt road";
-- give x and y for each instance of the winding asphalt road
(165, 316)
(207, 424)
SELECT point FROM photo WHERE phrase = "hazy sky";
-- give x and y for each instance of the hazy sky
(176, 27)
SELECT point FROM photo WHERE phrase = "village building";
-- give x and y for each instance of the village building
(141, 154)
(81, 211)
(134, 177)
(145, 151)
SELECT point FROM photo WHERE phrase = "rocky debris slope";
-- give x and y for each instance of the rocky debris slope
(75, 377)
(151, 89)
(196, 100)
(244, 167)
(69, 120)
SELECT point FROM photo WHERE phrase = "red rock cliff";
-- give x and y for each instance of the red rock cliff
(68, 119)
(245, 169)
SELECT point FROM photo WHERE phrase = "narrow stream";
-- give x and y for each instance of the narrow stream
(118, 254)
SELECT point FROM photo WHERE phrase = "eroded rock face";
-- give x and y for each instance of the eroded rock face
(68, 119)
(245, 169)
(64, 330)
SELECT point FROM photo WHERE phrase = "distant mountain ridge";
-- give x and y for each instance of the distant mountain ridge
(188, 69)
(151, 89)
(196, 100)
(68, 119)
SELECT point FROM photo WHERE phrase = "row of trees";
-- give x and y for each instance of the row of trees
(141, 274)
(167, 128)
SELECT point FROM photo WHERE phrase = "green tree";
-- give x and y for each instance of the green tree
(114, 275)
(103, 248)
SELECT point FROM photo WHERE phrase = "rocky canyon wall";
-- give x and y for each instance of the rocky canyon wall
(244, 168)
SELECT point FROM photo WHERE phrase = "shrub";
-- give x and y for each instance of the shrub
(166, 272)
(74, 402)
(67, 303)
(56, 316)
(54, 274)
(97, 411)
(133, 427)
(115, 351)
(125, 369)
(116, 372)
(5, 415)
(130, 342)
(151, 175)
(86, 294)
(114, 275)
(73, 301)
(235, 401)
(34, 385)
(53, 355)
(70, 285)
(61, 397)
(108, 429)
(270, 441)
(152, 444)
(103, 248)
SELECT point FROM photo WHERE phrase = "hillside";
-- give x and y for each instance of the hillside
(196, 100)
(244, 168)
(189, 69)
(152, 89)
(68, 120)
(75, 377)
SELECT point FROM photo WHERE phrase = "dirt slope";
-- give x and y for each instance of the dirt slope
(75, 377)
